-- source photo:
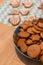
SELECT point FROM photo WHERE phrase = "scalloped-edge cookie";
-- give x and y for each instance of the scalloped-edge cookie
(15, 3)
(14, 20)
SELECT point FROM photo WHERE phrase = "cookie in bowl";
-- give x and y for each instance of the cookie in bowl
(30, 39)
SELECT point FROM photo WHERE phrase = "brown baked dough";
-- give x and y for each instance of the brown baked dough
(33, 51)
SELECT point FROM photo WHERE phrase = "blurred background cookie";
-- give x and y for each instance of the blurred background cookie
(32, 17)
(24, 12)
(15, 20)
(27, 3)
(15, 3)
(14, 12)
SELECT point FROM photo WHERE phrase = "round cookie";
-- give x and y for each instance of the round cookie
(26, 24)
(33, 51)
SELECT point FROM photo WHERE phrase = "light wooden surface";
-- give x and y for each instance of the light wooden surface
(1, 1)
(8, 53)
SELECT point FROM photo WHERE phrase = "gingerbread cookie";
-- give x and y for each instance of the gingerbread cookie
(33, 51)
(30, 39)
(29, 42)
(23, 46)
(35, 37)
(26, 24)
(20, 41)
(23, 34)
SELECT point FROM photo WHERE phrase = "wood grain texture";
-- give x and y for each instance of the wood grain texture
(8, 54)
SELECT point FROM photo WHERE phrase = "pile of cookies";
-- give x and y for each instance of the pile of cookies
(30, 38)
(15, 4)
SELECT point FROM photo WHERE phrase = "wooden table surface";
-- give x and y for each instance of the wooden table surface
(1, 1)
(8, 53)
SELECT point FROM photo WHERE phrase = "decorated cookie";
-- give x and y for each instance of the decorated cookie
(14, 12)
(15, 3)
(14, 20)
(27, 4)
(24, 12)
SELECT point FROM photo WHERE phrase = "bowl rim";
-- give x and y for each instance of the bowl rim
(20, 50)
